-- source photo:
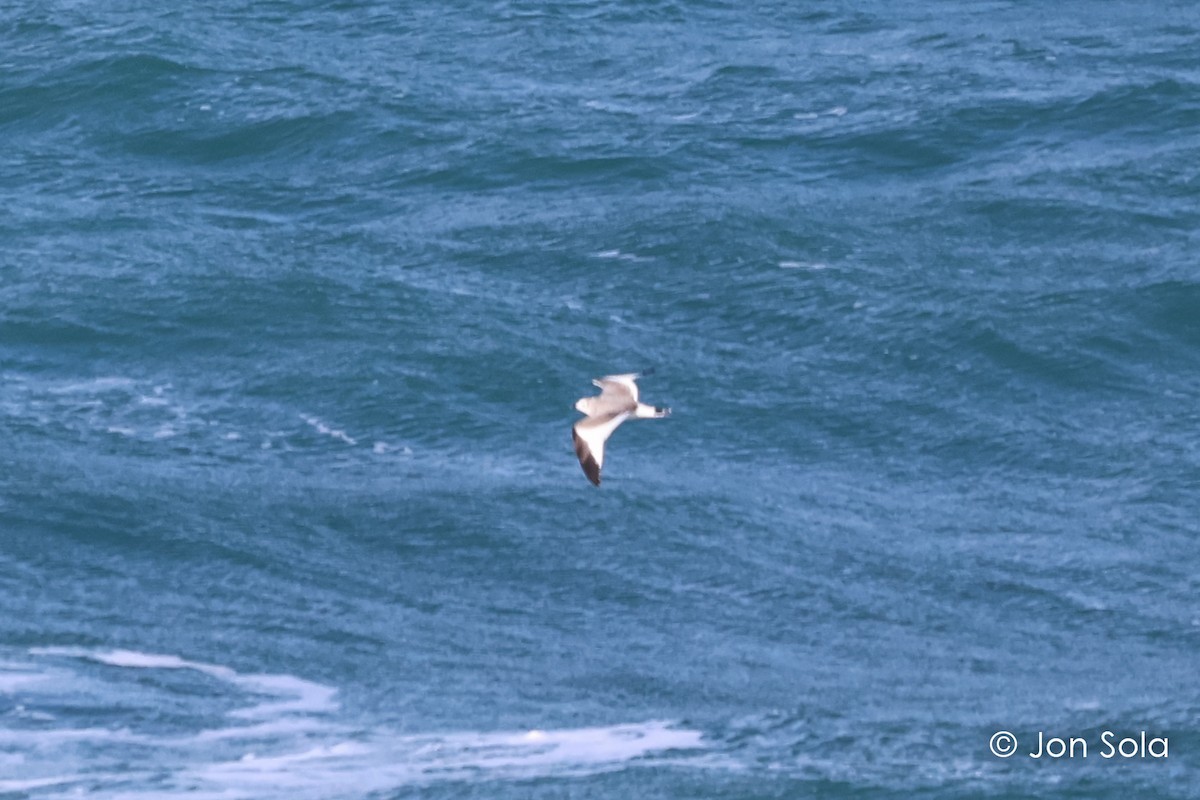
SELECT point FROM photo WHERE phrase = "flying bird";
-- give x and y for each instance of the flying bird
(617, 402)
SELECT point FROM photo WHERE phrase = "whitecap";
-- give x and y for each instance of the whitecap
(610, 108)
(38, 783)
(306, 696)
(56, 738)
(1087, 602)
(296, 744)
(303, 696)
(12, 681)
(619, 255)
(133, 659)
(1090, 705)
(274, 729)
(325, 430)
(92, 386)
(384, 763)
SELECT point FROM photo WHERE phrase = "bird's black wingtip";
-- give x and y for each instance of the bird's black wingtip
(590, 468)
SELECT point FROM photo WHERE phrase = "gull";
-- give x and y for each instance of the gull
(617, 402)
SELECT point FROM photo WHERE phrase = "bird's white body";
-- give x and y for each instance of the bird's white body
(617, 402)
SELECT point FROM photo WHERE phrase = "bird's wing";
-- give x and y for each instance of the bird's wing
(620, 387)
(589, 436)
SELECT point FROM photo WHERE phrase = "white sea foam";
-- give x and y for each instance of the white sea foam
(325, 430)
(302, 696)
(1090, 705)
(307, 697)
(297, 746)
(115, 406)
(15, 676)
(383, 447)
(55, 738)
(38, 783)
(618, 255)
(11, 681)
(836, 111)
(383, 762)
(264, 730)
(611, 108)
(92, 386)
(136, 660)
(1086, 601)
(164, 432)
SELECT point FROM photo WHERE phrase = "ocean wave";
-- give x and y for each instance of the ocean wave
(298, 744)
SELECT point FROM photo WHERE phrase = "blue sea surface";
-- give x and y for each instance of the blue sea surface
(296, 299)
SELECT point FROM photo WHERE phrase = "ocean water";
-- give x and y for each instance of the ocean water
(296, 299)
